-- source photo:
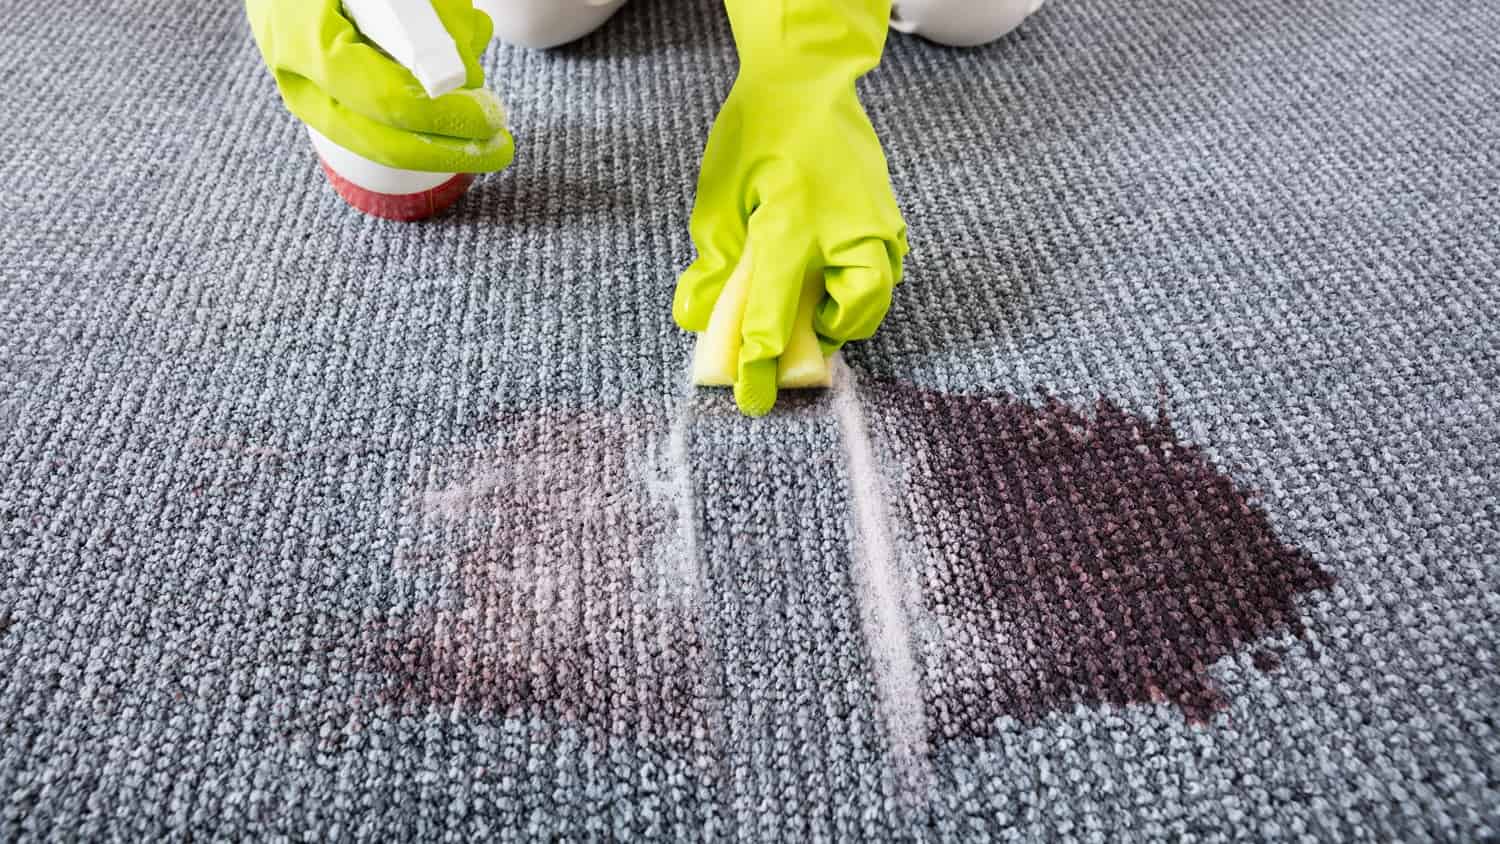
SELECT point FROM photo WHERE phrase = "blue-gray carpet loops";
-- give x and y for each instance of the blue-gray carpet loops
(1163, 506)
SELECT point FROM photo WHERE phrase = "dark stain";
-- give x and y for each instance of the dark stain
(548, 603)
(1079, 557)
(1266, 660)
(6, 623)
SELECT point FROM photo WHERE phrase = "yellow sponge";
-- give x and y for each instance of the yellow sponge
(717, 354)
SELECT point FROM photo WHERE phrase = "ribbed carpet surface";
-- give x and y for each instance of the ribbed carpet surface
(1164, 505)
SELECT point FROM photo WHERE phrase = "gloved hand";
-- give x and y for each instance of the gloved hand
(793, 171)
(343, 86)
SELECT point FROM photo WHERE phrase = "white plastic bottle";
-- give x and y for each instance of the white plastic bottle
(411, 32)
(961, 23)
(541, 24)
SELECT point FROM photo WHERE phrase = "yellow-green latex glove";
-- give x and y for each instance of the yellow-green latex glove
(343, 86)
(793, 171)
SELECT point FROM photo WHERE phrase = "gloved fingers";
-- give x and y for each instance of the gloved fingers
(755, 388)
(720, 240)
(316, 42)
(471, 29)
(858, 285)
(897, 249)
(369, 83)
(698, 289)
(389, 145)
(779, 266)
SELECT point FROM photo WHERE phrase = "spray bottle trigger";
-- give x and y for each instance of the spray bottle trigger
(413, 34)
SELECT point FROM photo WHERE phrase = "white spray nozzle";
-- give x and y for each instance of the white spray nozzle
(413, 34)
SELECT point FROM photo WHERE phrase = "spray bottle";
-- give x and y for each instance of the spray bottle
(411, 33)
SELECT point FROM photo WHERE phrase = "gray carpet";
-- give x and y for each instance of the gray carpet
(1164, 506)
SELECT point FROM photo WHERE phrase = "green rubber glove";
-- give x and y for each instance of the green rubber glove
(794, 171)
(358, 97)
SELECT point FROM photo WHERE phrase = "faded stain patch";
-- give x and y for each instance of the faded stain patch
(1075, 557)
(545, 546)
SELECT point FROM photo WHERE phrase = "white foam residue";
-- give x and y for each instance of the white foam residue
(670, 480)
(877, 581)
(682, 495)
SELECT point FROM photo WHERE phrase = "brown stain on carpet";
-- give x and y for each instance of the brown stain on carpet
(1079, 557)
(548, 606)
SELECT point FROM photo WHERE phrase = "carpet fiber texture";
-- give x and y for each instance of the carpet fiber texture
(1164, 505)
